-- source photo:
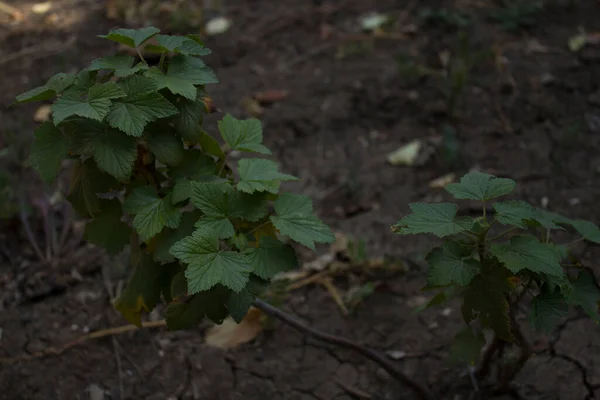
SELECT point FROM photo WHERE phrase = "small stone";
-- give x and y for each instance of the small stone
(74, 327)
(574, 201)
(545, 201)
(446, 312)
(433, 325)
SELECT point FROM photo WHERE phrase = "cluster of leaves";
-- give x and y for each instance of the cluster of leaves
(147, 176)
(491, 273)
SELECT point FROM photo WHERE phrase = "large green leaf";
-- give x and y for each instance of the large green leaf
(208, 265)
(452, 263)
(133, 113)
(142, 291)
(485, 297)
(295, 218)
(586, 294)
(467, 346)
(522, 214)
(55, 85)
(107, 230)
(271, 257)
(239, 303)
(547, 310)
(439, 219)
(93, 104)
(86, 181)
(480, 186)
(196, 166)
(168, 237)
(210, 145)
(167, 148)
(49, 149)
(121, 65)
(243, 135)
(183, 73)
(152, 213)
(131, 37)
(114, 152)
(260, 175)
(526, 252)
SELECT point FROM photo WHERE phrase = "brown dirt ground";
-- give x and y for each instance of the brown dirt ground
(537, 120)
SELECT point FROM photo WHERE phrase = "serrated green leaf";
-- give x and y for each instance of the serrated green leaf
(107, 230)
(182, 191)
(49, 149)
(133, 113)
(547, 310)
(467, 346)
(480, 186)
(131, 37)
(85, 79)
(239, 241)
(142, 291)
(168, 237)
(113, 151)
(189, 119)
(526, 252)
(271, 257)
(86, 181)
(585, 293)
(486, 296)
(295, 219)
(178, 44)
(121, 65)
(167, 148)
(214, 200)
(183, 73)
(195, 166)
(220, 226)
(238, 304)
(451, 263)
(93, 104)
(260, 175)
(210, 145)
(588, 230)
(208, 265)
(152, 213)
(55, 85)
(521, 214)
(439, 219)
(250, 207)
(243, 135)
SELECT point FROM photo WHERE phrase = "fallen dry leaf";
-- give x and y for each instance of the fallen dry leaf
(42, 114)
(442, 181)
(405, 155)
(41, 8)
(230, 334)
(271, 96)
(252, 107)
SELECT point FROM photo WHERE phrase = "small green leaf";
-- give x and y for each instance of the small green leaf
(250, 207)
(142, 291)
(182, 191)
(168, 237)
(93, 104)
(295, 219)
(260, 175)
(178, 44)
(131, 37)
(211, 146)
(526, 252)
(239, 303)
(107, 230)
(480, 186)
(547, 310)
(523, 215)
(55, 85)
(121, 65)
(588, 230)
(467, 346)
(451, 263)
(133, 113)
(86, 181)
(486, 296)
(195, 166)
(152, 213)
(183, 73)
(243, 135)
(439, 219)
(49, 149)
(271, 257)
(167, 148)
(214, 200)
(586, 294)
(208, 266)
(114, 152)
(189, 119)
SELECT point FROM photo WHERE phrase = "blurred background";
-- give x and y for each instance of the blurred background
(373, 104)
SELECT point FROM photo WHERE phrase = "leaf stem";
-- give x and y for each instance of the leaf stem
(258, 227)
(162, 61)
(139, 52)
(484, 211)
(421, 392)
(503, 233)
(574, 241)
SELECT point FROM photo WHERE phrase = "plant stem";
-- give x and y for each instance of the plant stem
(484, 211)
(484, 367)
(508, 377)
(574, 241)
(503, 233)
(421, 392)
(162, 61)
(140, 54)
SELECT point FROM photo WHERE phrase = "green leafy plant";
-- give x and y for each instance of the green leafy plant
(147, 177)
(494, 275)
(516, 15)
